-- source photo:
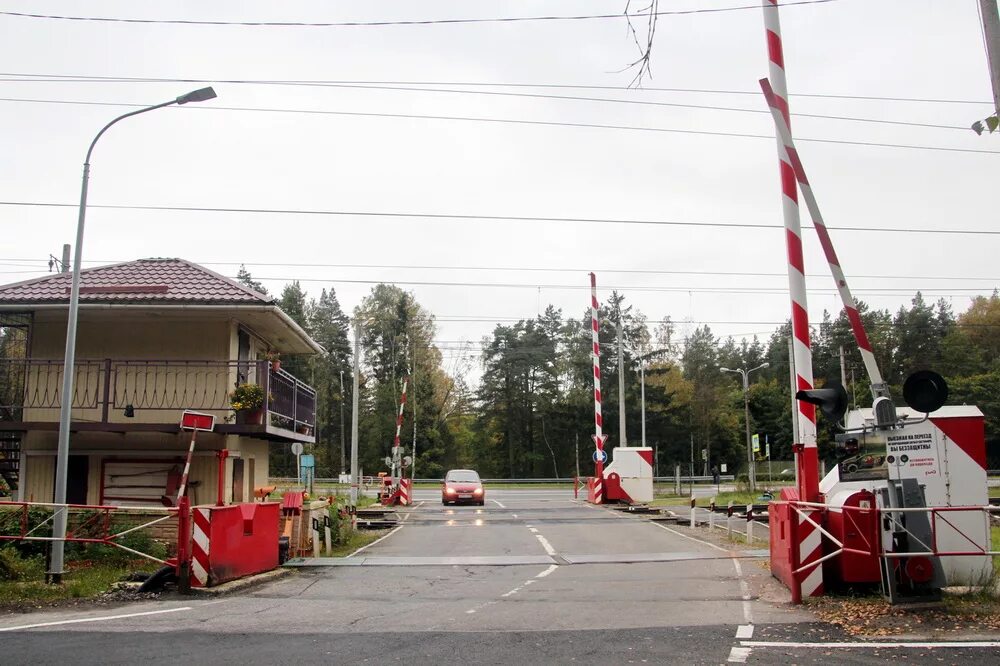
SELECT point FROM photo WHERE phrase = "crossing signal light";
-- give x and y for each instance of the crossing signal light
(832, 400)
(925, 391)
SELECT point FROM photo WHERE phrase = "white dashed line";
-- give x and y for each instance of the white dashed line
(549, 550)
(873, 645)
(533, 530)
(744, 631)
(738, 655)
(498, 504)
(548, 571)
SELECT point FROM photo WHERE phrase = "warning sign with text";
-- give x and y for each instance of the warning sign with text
(914, 453)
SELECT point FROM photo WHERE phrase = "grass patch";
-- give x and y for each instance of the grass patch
(994, 491)
(23, 579)
(356, 540)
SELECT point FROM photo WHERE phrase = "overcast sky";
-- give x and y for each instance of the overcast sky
(215, 155)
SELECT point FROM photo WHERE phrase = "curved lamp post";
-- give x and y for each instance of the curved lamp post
(66, 397)
(751, 472)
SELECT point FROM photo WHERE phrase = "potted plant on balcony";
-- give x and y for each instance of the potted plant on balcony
(274, 358)
(247, 400)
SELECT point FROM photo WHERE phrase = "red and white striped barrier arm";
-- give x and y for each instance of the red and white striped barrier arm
(200, 547)
(807, 455)
(599, 437)
(850, 307)
(399, 417)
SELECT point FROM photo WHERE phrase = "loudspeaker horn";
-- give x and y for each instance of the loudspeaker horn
(832, 400)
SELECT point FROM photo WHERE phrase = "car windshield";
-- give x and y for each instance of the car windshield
(463, 477)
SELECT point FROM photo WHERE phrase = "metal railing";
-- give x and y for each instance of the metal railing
(115, 390)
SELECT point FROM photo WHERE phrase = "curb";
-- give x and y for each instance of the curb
(241, 583)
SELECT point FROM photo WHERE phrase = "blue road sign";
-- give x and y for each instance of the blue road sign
(307, 460)
(600, 456)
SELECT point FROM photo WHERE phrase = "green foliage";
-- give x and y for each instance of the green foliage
(13, 566)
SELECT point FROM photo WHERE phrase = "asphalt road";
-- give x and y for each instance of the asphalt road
(533, 577)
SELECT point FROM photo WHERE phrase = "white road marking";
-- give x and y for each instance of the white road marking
(685, 536)
(549, 550)
(533, 530)
(514, 591)
(738, 655)
(514, 514)
(381, 538)
(545, 573)
(874, 645)
(744, 631)
(529, 582)
(498, 504)
(745, 592)
(102, 618)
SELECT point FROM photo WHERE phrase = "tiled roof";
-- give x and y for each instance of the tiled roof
(138, 282)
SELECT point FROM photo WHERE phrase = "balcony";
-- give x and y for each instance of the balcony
(149, 395)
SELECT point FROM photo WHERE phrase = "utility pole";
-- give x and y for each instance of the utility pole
(642, 397)
(343, 463)
(355, 481)
(991, 32)
(413, 378)
(795, 411)
(65, 258)
(621, 387)
(843, 368)
(578, 455)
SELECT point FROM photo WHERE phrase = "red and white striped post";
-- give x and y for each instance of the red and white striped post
(806, 455)
(599, 437)
(850, 306)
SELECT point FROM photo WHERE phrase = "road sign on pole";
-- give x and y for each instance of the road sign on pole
(756, 443)
(600, 456)
(704, 454)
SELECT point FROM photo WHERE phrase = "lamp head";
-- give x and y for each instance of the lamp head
(724, 370)
(197, 96)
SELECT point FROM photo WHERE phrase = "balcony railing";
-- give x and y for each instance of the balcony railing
(143, 393)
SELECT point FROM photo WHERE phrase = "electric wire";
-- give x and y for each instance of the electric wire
(516, 121)
(87, 78)
(415, 22)
(486, 217)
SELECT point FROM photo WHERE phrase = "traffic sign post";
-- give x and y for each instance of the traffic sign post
(297, 449)
(600, 456)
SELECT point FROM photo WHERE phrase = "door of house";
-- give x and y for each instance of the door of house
(238, 480)
(76, 479)
(243, 355)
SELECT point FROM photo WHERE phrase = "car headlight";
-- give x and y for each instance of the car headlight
(450, 491)
(477, 491)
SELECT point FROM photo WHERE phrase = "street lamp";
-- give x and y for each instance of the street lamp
(752, 476)
(66, 397)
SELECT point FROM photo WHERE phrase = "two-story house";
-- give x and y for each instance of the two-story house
(155, 337)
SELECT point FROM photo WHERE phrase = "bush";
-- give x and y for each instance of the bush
(15, 567)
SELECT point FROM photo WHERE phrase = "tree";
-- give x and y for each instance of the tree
(332, 378)
(243, 277)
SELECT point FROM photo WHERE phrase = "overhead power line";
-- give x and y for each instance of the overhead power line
(28, 262)
(516, 121)
(573, 98)
(338, 83)
(417, 22)
(484, 217)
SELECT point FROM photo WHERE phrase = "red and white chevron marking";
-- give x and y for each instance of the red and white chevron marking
(810, 545)
(201, 519)
(850, 307)
(599, 438)
(808, 458)
(404, 492)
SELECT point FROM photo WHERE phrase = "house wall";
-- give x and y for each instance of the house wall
(158, 451)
